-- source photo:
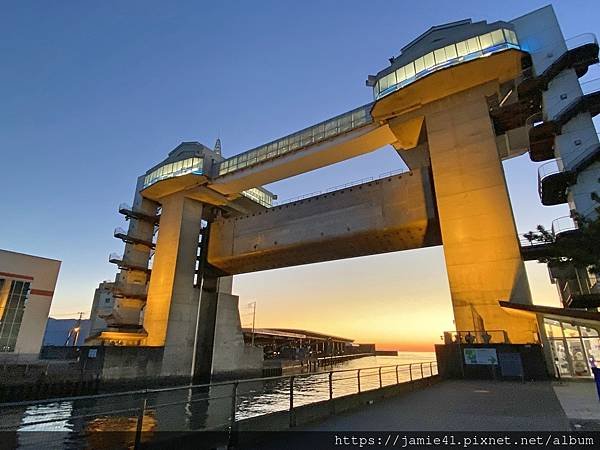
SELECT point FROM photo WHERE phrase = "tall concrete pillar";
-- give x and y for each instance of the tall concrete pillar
(478, 231)
(172, 305)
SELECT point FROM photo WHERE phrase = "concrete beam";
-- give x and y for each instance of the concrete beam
(481, 246)
(334, 150)
(386, 215)
(172, 305)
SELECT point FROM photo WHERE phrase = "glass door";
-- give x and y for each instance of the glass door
(561, 358)
(579, 357)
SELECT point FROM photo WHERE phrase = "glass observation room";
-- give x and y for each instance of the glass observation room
(343, 123)
(475, 47)
(575, 348)
(174, 169)
(259, 196)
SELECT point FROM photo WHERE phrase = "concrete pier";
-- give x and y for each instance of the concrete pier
(478, 230)
(171, 293)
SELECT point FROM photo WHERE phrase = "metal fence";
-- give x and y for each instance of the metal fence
(133, 416)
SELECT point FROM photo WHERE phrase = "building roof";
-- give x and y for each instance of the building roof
(293, 333)
(440, 36)
(30, 256)
(588, 317)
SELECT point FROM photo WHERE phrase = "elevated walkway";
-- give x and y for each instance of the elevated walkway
(345, 144)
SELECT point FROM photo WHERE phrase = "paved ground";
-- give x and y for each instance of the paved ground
(579, 400)
(467, 405)
(460, 405)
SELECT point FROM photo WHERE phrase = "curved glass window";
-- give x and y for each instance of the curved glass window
(451, 52)
(468, 49)
(429, 60)
(259, 196)
(174, 169)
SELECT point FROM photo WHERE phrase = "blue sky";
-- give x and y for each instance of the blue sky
(92, 94)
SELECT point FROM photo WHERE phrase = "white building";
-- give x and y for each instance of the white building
(26, 289)
(101, 307)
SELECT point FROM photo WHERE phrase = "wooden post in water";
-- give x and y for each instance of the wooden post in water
(292, 402)
(140, 423)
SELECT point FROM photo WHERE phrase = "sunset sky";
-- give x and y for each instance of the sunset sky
(95, 93)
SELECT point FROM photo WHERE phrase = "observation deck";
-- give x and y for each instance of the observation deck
(120, 233)
(129, 213)
(116, 258)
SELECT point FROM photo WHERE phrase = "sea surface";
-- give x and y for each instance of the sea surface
(202, 408)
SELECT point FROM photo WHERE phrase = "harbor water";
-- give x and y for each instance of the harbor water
(197, 408)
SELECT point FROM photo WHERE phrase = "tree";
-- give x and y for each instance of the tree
(580, 248)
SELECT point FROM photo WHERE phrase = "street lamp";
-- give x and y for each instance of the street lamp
(253, 305)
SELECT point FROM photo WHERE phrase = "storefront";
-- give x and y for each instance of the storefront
(574, 347)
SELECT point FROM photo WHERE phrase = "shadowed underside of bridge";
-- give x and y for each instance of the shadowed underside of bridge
(390, 214)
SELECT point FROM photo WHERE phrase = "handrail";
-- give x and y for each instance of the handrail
(125, 207)
(119, 230)
(557, 165)
(580, 40)
(569, 43)
(350, 184)
(189, 386)
(576, 94)
(549, 168)
(422, 370)
(114, 256)
(562, 224)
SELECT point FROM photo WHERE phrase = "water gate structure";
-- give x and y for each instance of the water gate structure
(455, 103)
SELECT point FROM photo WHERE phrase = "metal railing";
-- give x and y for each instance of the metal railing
(580, 40)
(476, 337)
(562, 224)
(136, 411)
(340, 187)
(567, 100)
(559, 165)
(115, 258)
(584, 283)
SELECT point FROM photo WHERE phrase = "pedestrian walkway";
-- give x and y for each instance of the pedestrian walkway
(579, 400)
(460, 405)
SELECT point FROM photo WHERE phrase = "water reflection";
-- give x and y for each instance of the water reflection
(76, 423)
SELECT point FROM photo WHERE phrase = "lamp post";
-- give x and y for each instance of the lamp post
(253, 305)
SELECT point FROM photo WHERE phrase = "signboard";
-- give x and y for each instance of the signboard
(511, 365)
(481, 356)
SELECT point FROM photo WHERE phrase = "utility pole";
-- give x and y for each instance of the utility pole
(74, 332)
(253, 305)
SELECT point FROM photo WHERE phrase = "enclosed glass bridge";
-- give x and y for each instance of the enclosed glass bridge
(328, 129)
(456, 53)
(474, 47)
